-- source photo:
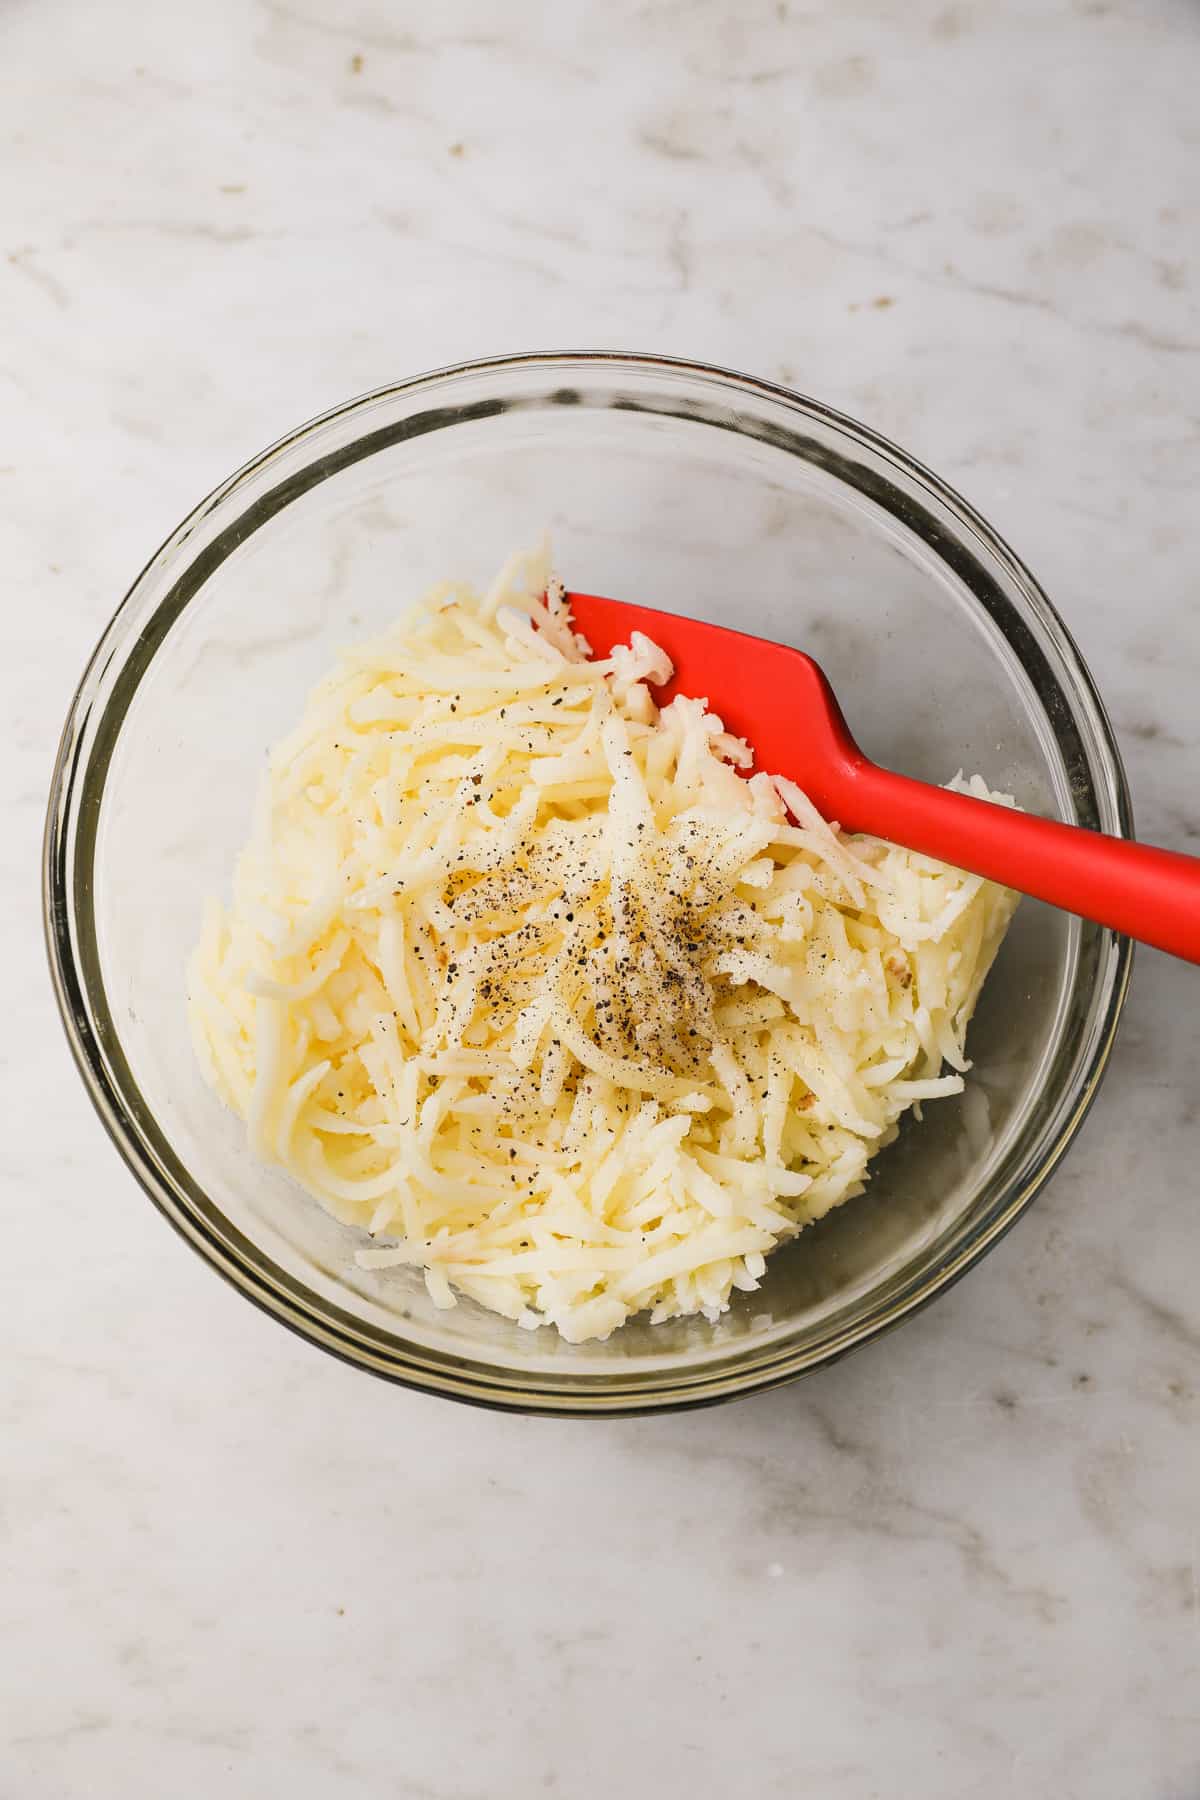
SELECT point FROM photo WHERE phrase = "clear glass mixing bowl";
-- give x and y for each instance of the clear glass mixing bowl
(686, 487)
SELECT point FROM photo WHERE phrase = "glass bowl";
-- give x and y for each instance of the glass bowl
(689, 488)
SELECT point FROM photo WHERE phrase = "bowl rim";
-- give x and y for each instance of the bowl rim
(605, 1397)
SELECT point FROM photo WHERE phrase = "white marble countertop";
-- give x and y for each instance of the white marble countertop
(964, 1563)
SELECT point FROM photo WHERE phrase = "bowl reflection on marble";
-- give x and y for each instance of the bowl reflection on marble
(691, 489)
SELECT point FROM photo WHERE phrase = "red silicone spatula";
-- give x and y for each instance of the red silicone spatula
(781, 703)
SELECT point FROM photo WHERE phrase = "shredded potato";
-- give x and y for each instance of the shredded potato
(523, 978)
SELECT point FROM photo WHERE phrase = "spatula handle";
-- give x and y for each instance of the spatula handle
(1149, 894)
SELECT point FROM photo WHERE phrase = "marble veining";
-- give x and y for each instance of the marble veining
(965, 1562)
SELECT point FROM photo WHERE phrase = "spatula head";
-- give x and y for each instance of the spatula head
(775, 697)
